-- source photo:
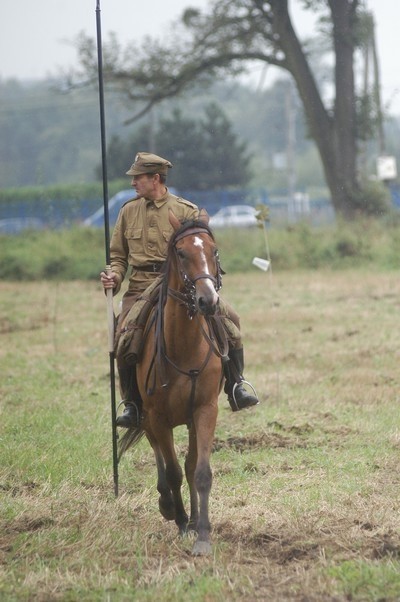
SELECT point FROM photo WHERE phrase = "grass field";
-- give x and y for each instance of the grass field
(305, 503)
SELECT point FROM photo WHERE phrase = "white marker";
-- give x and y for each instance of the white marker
(263, 264)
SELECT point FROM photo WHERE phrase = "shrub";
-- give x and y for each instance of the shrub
(374, 199)
(78, 253)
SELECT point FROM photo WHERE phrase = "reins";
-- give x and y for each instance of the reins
(216, 337)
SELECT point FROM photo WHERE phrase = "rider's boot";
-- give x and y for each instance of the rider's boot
(131, 416)
(238, 397)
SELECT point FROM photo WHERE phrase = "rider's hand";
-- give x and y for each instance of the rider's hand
(109, 280)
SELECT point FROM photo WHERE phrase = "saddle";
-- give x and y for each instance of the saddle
(129, 345)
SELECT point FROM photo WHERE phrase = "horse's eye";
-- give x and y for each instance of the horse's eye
(181, 253)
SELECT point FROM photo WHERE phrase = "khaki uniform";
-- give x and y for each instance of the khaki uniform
(140, 238)
(140, 242)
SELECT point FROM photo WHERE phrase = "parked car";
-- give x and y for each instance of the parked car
(96, 220)
(234, 216)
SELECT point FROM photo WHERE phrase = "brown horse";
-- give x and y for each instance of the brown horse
(180, 374)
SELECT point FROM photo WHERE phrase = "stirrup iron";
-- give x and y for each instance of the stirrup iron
(241, 382)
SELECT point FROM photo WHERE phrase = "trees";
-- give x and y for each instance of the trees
(187, 143)
(224, 40)
(47, 137)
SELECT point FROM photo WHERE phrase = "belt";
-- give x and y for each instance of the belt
(150, 267)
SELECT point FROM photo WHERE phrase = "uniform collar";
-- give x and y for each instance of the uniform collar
(161, 201)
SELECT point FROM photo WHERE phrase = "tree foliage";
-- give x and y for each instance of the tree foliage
(205, 152)
(224, 40)
(47, 136)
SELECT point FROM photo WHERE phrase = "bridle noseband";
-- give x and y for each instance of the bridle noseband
(190, 283)
(214, 334)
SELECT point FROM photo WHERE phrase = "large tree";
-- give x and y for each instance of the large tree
(224, 40)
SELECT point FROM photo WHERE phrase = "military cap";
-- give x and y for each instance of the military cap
(148, 163)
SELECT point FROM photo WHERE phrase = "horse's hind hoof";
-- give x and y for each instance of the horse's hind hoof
(201, 548)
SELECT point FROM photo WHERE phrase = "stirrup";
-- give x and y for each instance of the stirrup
(122, 402)
(130, 404)
(241, 382)
(245, 400)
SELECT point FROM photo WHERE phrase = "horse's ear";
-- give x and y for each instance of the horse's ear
(203, 216)
(173, 220)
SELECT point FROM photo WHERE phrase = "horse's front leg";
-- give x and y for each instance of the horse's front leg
(205, 421)
(173, 471)
(190, 467)
(165, 501)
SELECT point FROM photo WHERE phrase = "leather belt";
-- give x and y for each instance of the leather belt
(150, 267)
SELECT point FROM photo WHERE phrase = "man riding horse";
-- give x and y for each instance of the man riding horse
(140, 241)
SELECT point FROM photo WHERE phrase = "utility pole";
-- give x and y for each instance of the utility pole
(290, 149)
(377, 90)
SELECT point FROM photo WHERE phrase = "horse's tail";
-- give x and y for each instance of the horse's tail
(131, 437)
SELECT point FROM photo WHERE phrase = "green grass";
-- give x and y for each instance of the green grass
(78, 253)
(369, 580)
(304, 503)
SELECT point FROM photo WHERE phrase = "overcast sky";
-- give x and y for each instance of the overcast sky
(34, 35)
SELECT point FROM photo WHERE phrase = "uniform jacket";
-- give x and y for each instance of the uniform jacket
(141, 236)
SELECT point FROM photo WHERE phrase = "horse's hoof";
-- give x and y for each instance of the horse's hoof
(183, 531)
(201, 548)
(167, 509)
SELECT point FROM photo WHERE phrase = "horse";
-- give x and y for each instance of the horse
(180, 374)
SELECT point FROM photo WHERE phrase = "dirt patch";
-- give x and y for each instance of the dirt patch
(257, 440)
(292, 542)
(11, 530)
(388, 546)
(7, 326)
(26, 524)
(20, 489)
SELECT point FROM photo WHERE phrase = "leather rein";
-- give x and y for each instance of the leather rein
(215, 335)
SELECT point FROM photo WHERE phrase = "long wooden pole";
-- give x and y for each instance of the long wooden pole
(110, 307)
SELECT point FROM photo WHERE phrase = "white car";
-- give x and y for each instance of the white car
(234, 216)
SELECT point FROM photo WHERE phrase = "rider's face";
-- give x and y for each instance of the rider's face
(144, 184)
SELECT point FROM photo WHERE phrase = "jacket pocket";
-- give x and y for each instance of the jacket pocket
(133, 233)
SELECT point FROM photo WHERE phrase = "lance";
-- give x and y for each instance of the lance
(110, 307)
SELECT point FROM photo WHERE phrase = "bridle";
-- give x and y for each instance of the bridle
(189, 284)
(215, 337)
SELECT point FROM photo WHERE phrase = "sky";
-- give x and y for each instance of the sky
(35, 37)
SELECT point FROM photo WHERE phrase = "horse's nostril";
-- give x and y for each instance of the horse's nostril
(205, 306)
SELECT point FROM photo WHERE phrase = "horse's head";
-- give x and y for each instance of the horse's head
(198, 261)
